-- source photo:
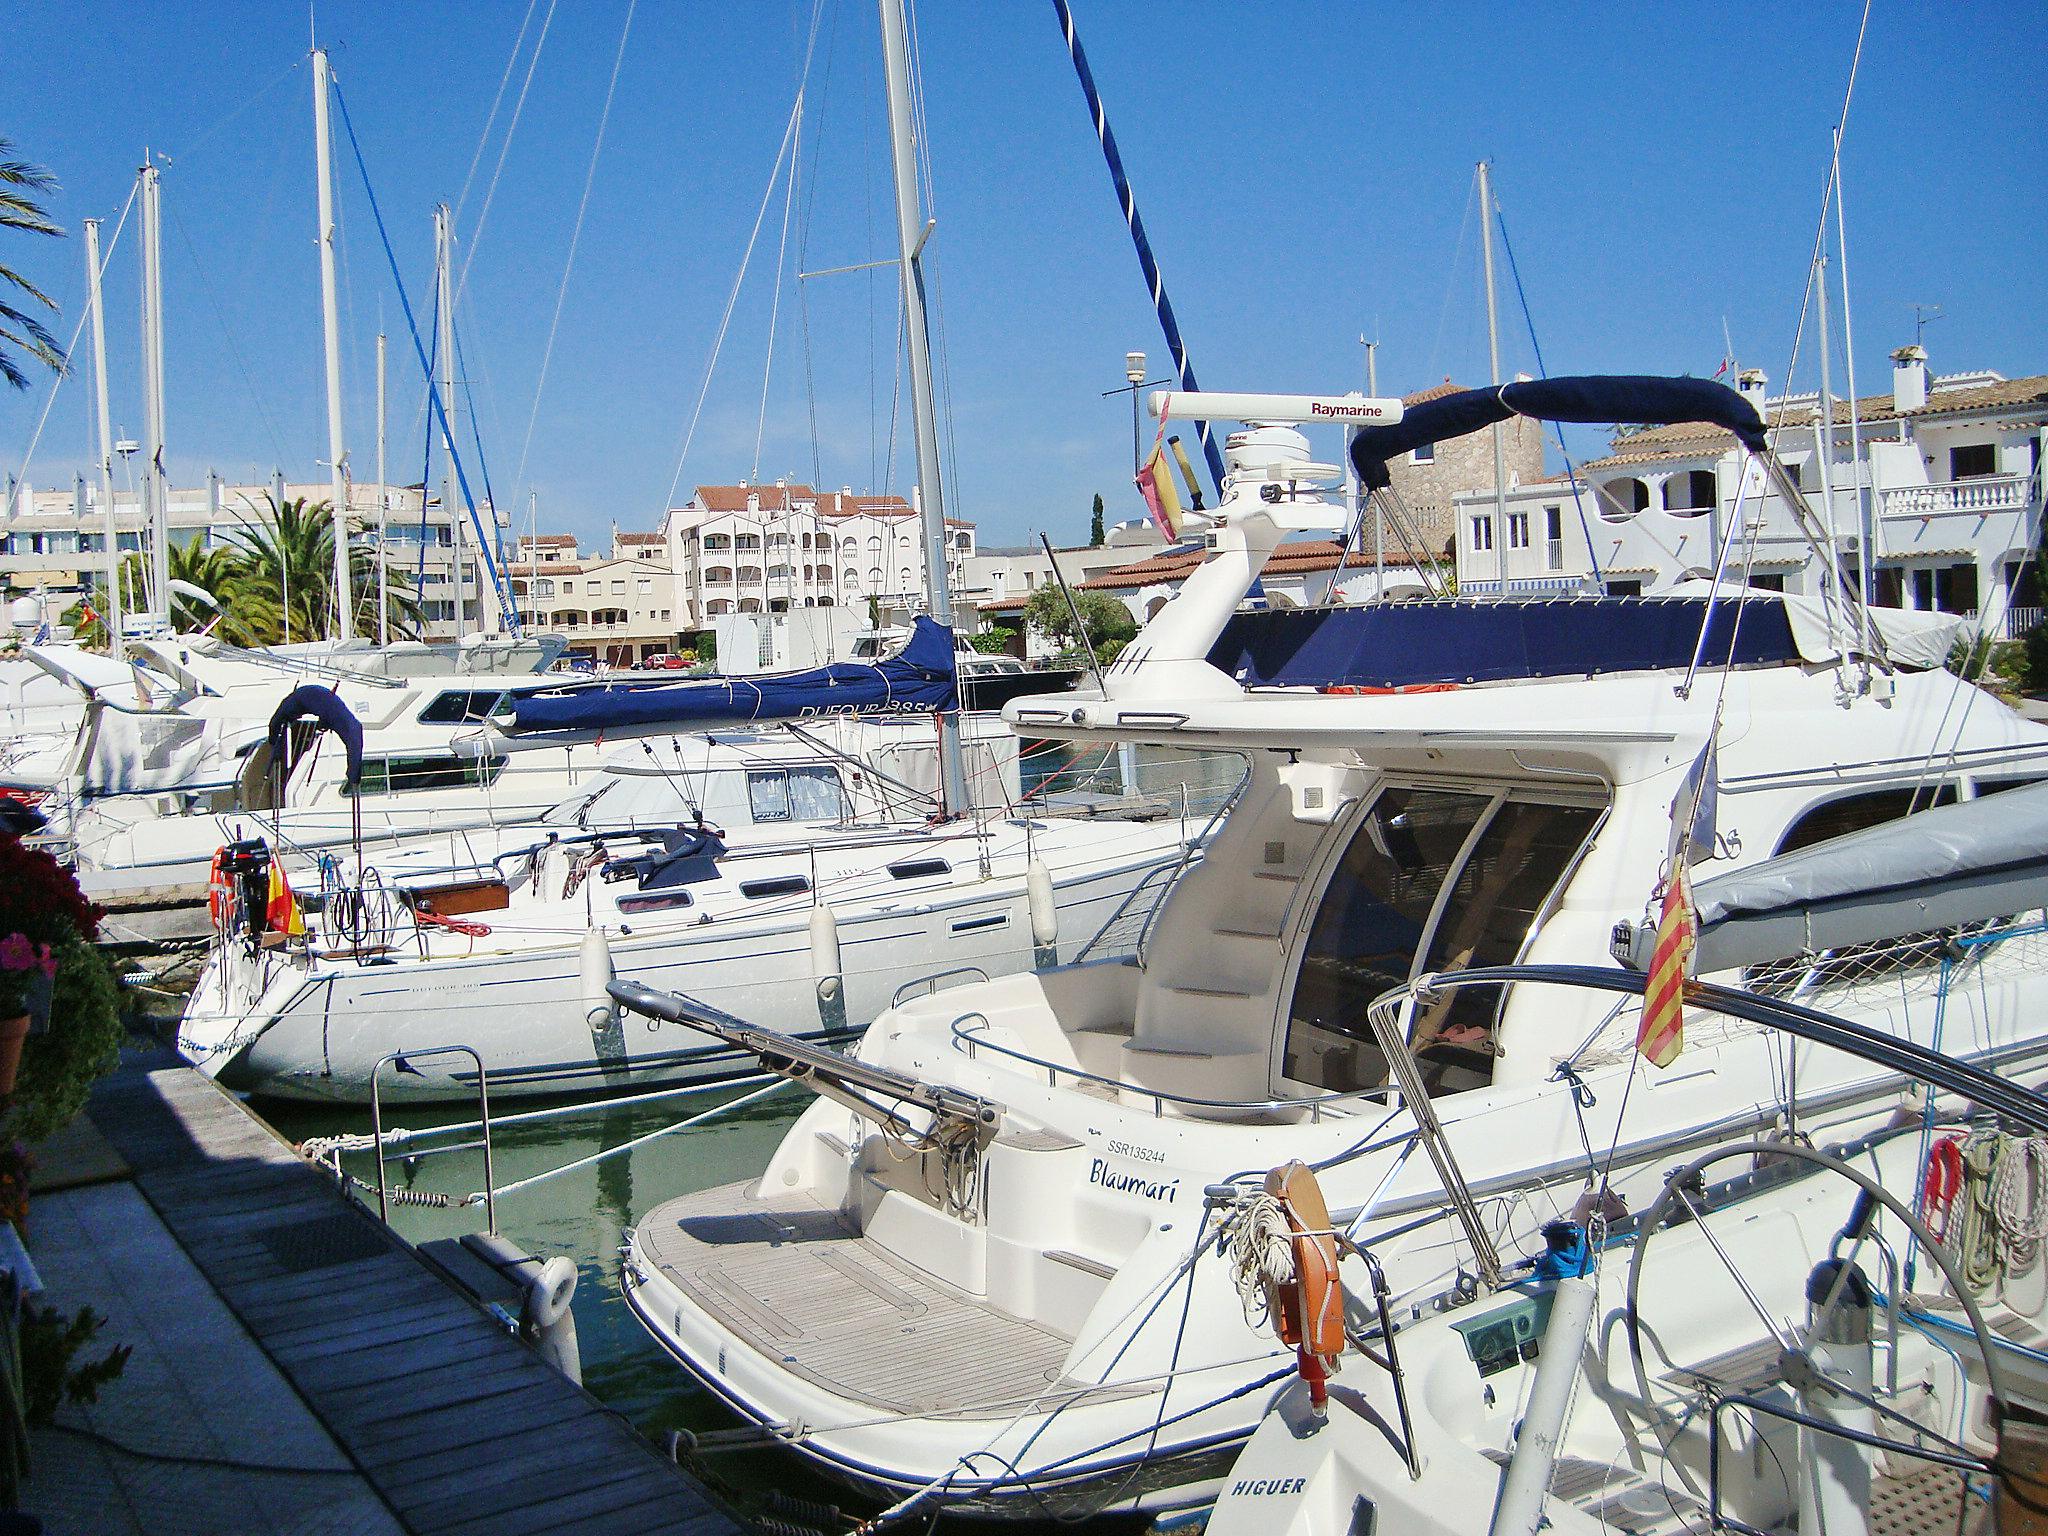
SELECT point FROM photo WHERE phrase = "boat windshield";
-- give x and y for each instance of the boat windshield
(727, 797)
(1433, 880)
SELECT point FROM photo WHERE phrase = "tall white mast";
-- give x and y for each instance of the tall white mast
(1500, 452)
(155, 489)
(383, 513)
(103, 421)
(1824, 451)
(330, 331)
(444, 344)
(911, 231)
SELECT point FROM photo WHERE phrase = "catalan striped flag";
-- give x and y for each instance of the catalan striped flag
(1155, 484)
(1661, 1035)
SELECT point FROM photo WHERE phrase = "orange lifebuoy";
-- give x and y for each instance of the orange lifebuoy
(1309, 1311)
(220, 893)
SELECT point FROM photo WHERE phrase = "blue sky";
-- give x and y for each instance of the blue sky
(1305, 171)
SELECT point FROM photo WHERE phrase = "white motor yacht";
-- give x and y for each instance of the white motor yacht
(971, 1271)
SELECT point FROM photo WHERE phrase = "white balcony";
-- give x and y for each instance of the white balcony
(1976, 497)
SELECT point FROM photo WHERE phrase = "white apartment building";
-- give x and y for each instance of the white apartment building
(56, 539)
(1949, 472)
(617, 610)
(771, 548)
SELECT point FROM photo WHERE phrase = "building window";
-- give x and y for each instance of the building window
(1422, 453)
(619, 588)
(1553, 538)
(543, 588)
(748, 541)
(643, 584)
(1482, 533)
(1968, 463)
(717, 541)
(1518, 530)
(1691, 493)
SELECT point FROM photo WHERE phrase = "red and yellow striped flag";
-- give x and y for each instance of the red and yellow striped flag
(1155, 484)
(1661, 1035)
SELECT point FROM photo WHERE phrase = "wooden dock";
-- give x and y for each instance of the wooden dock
(454, 1424)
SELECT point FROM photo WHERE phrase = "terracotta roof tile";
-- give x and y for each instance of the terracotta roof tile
(1295, 559)
(1699, 439)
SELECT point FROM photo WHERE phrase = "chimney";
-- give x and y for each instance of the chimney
(1752, 386)
(1909, 378)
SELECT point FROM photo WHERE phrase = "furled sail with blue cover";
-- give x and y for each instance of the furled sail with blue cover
(917, 679)
(1588, 398)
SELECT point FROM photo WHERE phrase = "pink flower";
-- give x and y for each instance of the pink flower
(16, 953)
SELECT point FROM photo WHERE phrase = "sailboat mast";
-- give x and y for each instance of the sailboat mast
(330, 333)
(911, 231)
(1500, 452)
(155, 491)
(1824, 451)
(444, 331)
(383, 513)
(103, 422)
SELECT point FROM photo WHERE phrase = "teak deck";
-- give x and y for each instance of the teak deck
(799, 1285)
(456, 1425)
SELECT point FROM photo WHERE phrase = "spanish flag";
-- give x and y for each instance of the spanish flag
(1155, 484)
(1661, 1035)
(281, 912)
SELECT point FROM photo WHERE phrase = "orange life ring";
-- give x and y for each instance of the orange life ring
(220, 892)
(1309, 1310)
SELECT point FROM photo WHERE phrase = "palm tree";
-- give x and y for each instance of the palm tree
(285, 587)
(20, 185)
(214, 570)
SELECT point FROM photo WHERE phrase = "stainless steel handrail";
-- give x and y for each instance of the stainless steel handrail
(483, 1096)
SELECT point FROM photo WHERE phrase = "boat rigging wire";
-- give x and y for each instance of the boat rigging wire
(547, 353)
(731, 300)
(775, 288)
(500, 586)
(476, 235)
(84, 314)
(1542, 371)
(497, 100)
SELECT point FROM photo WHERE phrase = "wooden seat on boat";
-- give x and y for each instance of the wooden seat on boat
(796, 1282)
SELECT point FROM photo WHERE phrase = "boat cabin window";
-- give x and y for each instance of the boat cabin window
(1852, 813)
(465, 706)
(919, 869)
(775, 885)
(795, 794)
(400, 775)
(1432, 880)
(666, 901)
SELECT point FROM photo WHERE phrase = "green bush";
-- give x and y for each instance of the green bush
(83, 1042)
(2036, 652)
(50, 1341)
(993, 642)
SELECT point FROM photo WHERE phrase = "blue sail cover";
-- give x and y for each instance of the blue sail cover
(1590, 398)
(917, 679)
(1408, 645)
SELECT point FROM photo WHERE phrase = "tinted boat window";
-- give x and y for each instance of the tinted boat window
(1852, 813)
(1374, 921)
(1493, 906)
(462, 708)
(1368, 928)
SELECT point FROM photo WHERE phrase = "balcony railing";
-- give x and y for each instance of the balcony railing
(1984, 494)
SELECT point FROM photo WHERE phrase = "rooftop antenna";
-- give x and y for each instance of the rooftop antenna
(1924, 315)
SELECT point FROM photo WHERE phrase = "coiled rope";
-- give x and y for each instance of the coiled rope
(2019, 1201)
(1259, 1245)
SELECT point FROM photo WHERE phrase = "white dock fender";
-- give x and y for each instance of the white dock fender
(825, 950)
(595, 969)
(1045, 910)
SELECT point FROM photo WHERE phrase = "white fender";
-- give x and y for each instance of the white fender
(549, 1293)
(825, 950)
(1045, 911)
(595, 969)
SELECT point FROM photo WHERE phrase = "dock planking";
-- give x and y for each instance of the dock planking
(458, 1427)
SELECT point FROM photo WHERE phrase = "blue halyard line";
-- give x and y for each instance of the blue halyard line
(498, 585)
(1155, 284)
(476, 436)
(419, 575)
(1571, 473)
